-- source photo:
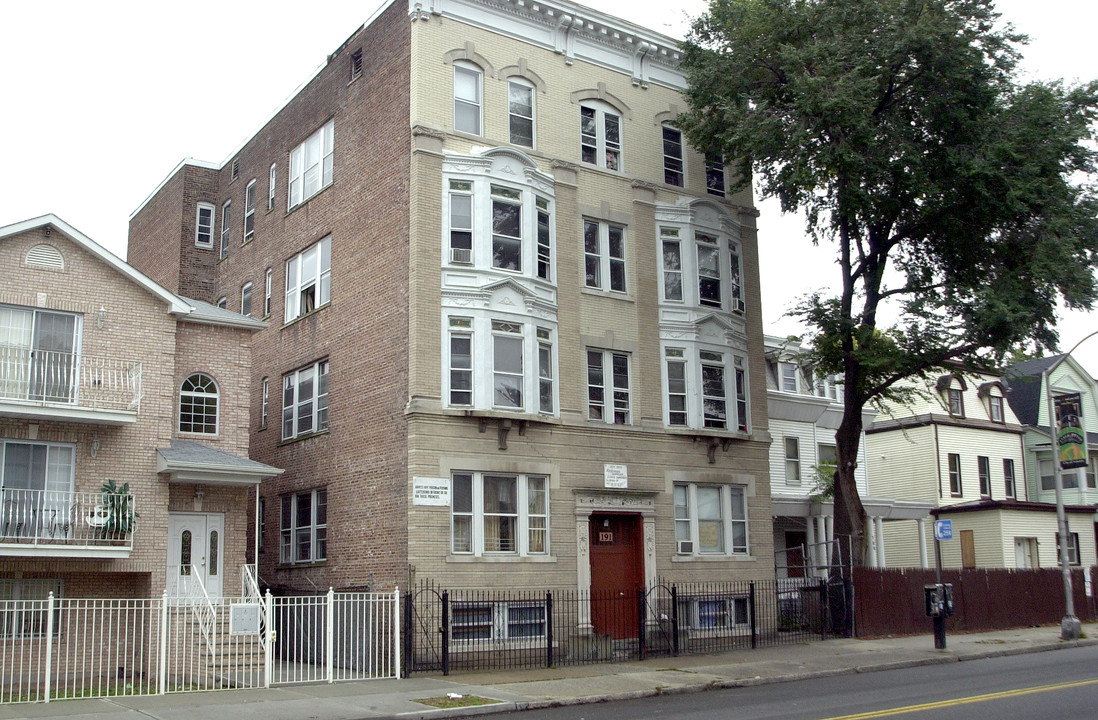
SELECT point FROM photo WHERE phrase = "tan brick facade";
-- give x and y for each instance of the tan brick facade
(383, 332)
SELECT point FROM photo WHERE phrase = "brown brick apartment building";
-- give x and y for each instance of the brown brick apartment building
(515, 337)
(123, 427)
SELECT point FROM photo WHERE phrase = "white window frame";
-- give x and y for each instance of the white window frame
(460, 388)
(223, 302)
(684, 391)
(1073, 548)
(787, 372)
(956, 479)
(955, 400)
(995, 408)
(296, 409)
(249, 211)
(1010, 481)
(308, 275)
(983, 471)
(716, 182)
(226, 216)
(720, 533)
(204, 232)
(507, 336)
(203, 403)
(265, 403)
(674, 164)
(471, 518)
(271, 185)
(473, 106)
(246, 299)
(598, 121)
(609, 397)
(514, 114)
(267, 283)
(792, 460)
(25, 600)
(30, 499)
(683, 274)
(604, 268)
(314, 533)
(695, 614)
(311, 165)
(671, 263)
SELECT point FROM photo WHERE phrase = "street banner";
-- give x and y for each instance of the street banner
(1069, 431)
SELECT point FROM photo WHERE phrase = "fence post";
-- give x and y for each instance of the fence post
(445, 630)
(396, 632)
(162, 672)
(823, 609)
(269, 639)
(50, 600)
(674, 621)
(549, 628)
(409, 648)
(329, 634)
(754, 619)
(642, 645)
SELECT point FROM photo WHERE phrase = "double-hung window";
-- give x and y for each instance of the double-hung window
(983, 464)
(1072, 549)
(26, 610)
(271, 186)
(499, 514)
(789, 376)
(671, 250)
(710, 519)
(608, 386)
(461, 222)
(267, 292)
(226, 217)
(792, 461)
(604, 255)
(672, 156)
(497, 621)
(264, 403)
(709, 276)
(506, 228)
(311, 165)
(546, 390)
(309, 279)
(955, 487)
(246, 299)
(304, 527)
(37, 483)
(995, 408)
(468, 82)
(701, 387)
(600, 137)
(1008, 478)
(520, 113)
(956, 402)
(507, 364)
(305, 401)
(203, 226)
(714, 175)
(249, 211)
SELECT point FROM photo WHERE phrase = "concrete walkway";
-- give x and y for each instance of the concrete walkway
(522, 689)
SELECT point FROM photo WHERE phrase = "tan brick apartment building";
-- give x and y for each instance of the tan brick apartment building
(515, 337)
(107, 377)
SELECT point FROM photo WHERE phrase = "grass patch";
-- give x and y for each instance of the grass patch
(447, 702)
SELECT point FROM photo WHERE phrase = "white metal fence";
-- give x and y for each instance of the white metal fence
(61, 648)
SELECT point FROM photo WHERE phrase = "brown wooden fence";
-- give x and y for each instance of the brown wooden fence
(890, 601)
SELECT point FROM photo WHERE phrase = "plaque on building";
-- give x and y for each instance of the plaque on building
(430, 491)
(615, 476)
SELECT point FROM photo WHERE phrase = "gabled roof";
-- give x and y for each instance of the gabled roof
(175, 303)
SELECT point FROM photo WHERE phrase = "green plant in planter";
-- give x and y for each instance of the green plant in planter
(118, 507)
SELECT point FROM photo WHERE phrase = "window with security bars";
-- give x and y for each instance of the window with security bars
(497, 621)
(23, 607)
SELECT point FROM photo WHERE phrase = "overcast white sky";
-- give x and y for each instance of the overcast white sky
(100, 100)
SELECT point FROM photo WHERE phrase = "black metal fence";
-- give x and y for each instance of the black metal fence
(481, 629)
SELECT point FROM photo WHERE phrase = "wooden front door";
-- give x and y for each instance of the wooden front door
(617, 572)
(968, 549)
(794, 553)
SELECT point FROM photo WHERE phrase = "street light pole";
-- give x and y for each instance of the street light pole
(1070, 627)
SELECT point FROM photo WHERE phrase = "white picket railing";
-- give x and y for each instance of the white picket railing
(71, 519)
(52, 377)
(61, 648)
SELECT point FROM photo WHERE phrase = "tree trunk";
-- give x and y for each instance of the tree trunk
(849, 512)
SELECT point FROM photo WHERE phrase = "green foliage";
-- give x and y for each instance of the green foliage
(956, 196)
(121, 516)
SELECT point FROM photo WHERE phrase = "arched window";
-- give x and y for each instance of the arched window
(198, 404)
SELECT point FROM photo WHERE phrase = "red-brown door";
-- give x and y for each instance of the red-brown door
(617, 571)
(794, 553)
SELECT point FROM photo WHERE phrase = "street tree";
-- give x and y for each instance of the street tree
(957, 196)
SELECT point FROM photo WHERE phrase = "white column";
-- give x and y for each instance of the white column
(829, 535)
(924, 563)
(870, 543)
(583, 571)
(810, 549)
(880, 543)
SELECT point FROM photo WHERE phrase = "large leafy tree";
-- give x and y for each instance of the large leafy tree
(956, 195)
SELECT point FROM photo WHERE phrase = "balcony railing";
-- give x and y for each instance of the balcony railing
(63, 520)
(46, 377)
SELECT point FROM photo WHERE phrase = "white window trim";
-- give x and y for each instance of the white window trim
(953, 468)
(267, 283)
(690, 615)
(523, 527)
(27, 618)
(246, 299)
(728, 521)
(469, 71)
(249, 211)
(729, 262)
(318, 413)
(498, 623)
(287, 544)
(603, 148)
(319, 281)
(673, 163)
(792, 448)
(1010, 479)
(226, 216)
(605, 262)
(526, 85)
(616, 401)
(321, 144)
(478, 325)
(215, 396)
(265, 403)
(209, 233)
(271, 185)
(737, 408)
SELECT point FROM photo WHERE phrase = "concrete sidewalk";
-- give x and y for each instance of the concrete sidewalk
(522, 689)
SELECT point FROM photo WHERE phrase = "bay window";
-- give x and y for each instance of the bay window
(705, 388)
(709, 276)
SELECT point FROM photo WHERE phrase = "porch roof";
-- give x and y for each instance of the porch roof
(190, 461)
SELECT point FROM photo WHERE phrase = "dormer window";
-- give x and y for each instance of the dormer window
(956, 402)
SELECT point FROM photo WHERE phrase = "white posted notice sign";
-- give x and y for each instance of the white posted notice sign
(430, 491)
(615, 476)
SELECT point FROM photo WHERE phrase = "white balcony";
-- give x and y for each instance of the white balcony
(66, 524)
(73, 387)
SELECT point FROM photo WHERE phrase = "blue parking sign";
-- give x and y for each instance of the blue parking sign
(943, 529)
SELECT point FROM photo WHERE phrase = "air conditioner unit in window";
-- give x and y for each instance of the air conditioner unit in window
(463, 256)
(686, 547)
(737, 304)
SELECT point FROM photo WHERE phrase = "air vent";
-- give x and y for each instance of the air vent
(46, 256)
